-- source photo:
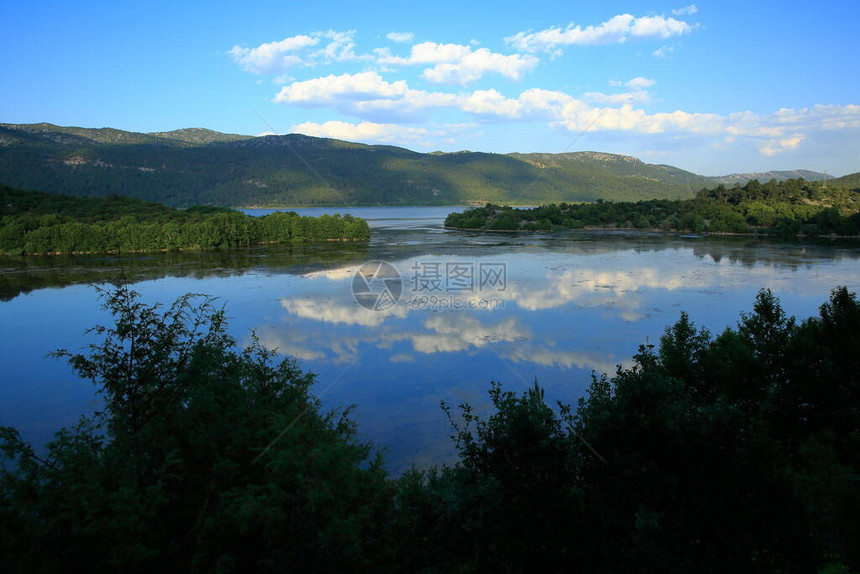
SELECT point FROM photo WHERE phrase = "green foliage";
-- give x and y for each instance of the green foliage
(34, 222)
(784, 208)
(734, 453)
(511, 501)
(203, 458)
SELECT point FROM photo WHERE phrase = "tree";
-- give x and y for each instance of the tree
(202, 458)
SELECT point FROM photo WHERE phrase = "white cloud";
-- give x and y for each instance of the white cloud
(272, 57)
(616, 30)
(372, 132)
(640, 83)
(474, 65)
(663, 51)
(340, 49)
(329, 89)
(383, 105)
(277, 57)
(774, 147)
(785, 129)
(451, 333)
(400, 37)
(426, 53)
(458, 63)
(639, 96)
(545, 104)
(491, 102)
(686, 10)
(542, 355)
(366, 95)
(338, 312)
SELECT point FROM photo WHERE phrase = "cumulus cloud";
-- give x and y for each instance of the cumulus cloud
(663, 51)
(458, 63)
(786, 129)
(638, 95)
(617, 30)
(365, 94)
(276, 57)
(381, 133)
(426, 53)
(774, 147)
(400, 37)
(542, 355)
(329, 89)
(338, 312)
(474, 65)
(686, 10)
(341, 47)
(640, 83)
(577, 114)
(491, 102)
(451, 333)
(272, 57)
(381, 105)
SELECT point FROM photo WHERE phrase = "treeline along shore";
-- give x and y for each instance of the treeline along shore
(788, 208)
(40, 223)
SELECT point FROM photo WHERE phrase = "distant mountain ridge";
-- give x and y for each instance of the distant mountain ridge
(199, 166)
(764, 176)
(68, 135)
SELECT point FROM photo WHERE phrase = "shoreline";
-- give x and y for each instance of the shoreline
(676, 232)
(178, 249)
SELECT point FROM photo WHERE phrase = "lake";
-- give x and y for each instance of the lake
(418, 316)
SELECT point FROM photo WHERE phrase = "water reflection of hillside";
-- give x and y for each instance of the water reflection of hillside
(393, 244)
(25, 274)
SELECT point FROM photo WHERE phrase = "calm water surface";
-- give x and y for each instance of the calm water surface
(555, 307)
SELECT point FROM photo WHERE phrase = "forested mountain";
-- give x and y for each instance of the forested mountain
(70, 135)
(197, 166)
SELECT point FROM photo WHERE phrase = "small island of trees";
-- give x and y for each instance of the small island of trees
(41, 223)
(788, 208)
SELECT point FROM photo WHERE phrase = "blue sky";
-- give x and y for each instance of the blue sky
(711, 87)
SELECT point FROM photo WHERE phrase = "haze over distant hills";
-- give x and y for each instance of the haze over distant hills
(763, 176)
(200, 166)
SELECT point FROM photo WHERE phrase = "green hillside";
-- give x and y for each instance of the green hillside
(197, 166)
(850, 181)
